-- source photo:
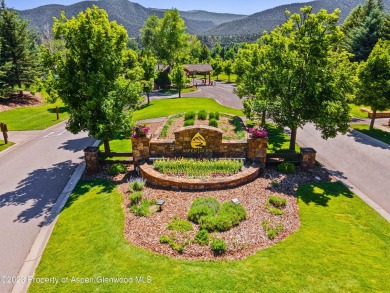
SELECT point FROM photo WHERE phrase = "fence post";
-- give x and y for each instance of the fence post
(4, 130)
(91, 155)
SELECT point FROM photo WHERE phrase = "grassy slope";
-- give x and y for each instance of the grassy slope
(33, 118)
(166, 107)
(376, 133)
(342, 246)
(4, 146)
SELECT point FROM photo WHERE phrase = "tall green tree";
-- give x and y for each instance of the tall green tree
(217, 64)
(304, 78)
(228, 68)
(364, 27)
(205, 54)
(148, 64)
(374, 76)
(93, 80)
(19, 50)
(150, 34)
(179, 78)
(250, 69)
(216, 51)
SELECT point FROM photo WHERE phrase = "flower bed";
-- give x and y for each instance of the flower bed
(197, 169)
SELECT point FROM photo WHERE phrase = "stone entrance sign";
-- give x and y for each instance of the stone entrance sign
(199, 142)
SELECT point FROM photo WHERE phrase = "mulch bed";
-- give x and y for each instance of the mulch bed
(242, 240)
(17, 100)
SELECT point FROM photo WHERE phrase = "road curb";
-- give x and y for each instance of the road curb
(33, 258)
(369, 138)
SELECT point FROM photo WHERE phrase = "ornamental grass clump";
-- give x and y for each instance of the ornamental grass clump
(189, 116)
(272, 230)
(202, 115)
(137, 184)
(213, 123)
(214, 115)
(193, 168)
(218, 246)
(189, 122)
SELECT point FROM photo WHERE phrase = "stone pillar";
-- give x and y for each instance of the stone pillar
(308, 159)
(141, 148)
(92, 159)
(257, 150)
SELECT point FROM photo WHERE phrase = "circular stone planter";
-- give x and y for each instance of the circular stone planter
(158, 179)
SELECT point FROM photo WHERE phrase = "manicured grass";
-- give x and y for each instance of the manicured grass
(342, 246)
(375, 133)
(3, 146)
(224, 77)
(34, 118)
(166, 107)
(278, 140)
(355, 111)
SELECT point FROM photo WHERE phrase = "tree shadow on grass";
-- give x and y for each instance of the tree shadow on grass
(61, 110)
(360, 139)
(85, 186)
(321, 193)
(37, 193)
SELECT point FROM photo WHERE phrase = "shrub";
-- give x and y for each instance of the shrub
(117, 169)
(180, 225)
(189, 122)
(218, 246)
(275, 211)
(275, 183)
(258, 131)
(202, 237)
(140, 131)
(135, 198)
(142, 210)
(214, 115)
(250, 123)
(272, 231)
(277, 201)
(213, 123)
(286, 168)
(165, 239)
(200, 207)
(202, 115)
(229, 216)
(189, 116)
(137, 184)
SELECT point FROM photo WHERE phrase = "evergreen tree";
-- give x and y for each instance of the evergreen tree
(18, 56)
(364, 27)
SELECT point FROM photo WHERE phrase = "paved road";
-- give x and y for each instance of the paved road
(363, 163)
(32, 177)
(222, 92)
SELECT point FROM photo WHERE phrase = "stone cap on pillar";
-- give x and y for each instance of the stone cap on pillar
(91, 149)
(308, 151)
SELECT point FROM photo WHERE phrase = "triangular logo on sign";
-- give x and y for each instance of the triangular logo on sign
(198, 141)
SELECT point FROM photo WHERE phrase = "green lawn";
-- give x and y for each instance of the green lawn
(355, 111)
(376, 133)
(166, 107)
(34, 118)
(224, 77)
(175, 91)
(278, 140)
(3, 146)
(342, 246)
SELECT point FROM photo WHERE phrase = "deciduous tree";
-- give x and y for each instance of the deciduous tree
(374, 76)
(179, 78)
(148, 64)
(304, 77)
(92, 79)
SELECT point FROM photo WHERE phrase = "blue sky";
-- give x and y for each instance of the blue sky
(231, 6)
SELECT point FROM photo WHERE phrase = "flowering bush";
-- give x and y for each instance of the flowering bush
(258, 131)
(140, 131)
